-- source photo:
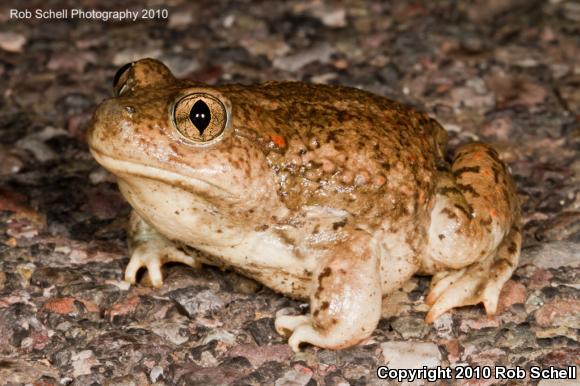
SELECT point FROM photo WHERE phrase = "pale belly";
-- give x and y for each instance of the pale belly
(264, 256)
(283, 258)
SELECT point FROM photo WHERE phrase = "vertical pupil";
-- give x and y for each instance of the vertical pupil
(200, 115)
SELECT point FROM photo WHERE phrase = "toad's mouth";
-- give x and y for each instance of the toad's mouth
(190, 184)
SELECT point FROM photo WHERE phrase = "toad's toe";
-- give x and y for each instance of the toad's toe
(286, 324)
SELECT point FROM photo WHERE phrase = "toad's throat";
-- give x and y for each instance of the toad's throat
(188, 183)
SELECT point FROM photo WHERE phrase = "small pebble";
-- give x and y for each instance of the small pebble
(12, 42)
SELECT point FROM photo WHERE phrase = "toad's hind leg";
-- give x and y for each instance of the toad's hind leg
(345, 305)
(481, 282)
(150, 250)
(474, 235)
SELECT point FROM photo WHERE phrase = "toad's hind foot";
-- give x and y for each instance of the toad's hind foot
(151, 250)
(481, 282)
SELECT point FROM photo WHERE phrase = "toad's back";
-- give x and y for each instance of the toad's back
(341, 147)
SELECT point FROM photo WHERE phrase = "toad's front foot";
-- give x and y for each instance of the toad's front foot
(298, 328)
(346, 304)
(152, 255)
(150, 250)
(334, 324)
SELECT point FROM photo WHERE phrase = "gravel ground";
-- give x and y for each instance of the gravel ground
(503, 71)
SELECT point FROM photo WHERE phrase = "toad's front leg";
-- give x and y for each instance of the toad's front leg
(150, 250)
(345, 306)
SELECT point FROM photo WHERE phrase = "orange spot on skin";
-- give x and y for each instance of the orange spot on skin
(487, 173)
(278, 140)
(478, 155)
(493, 213)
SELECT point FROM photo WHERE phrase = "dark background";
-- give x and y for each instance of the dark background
(505, 72)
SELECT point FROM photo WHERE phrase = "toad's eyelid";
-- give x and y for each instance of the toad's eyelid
(119, 75)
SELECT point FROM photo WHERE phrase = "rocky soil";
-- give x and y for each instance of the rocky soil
(506, 72)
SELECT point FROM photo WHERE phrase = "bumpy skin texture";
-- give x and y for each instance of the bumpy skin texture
(319, 192)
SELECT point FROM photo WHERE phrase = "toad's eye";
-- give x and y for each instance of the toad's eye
(200, 117)
(120, 80)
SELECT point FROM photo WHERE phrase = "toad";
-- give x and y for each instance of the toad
(324, 193)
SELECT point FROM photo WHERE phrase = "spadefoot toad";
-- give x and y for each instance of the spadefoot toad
(319, 192)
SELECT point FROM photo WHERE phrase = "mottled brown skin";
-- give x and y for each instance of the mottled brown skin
(320, 192)
(388, 139)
